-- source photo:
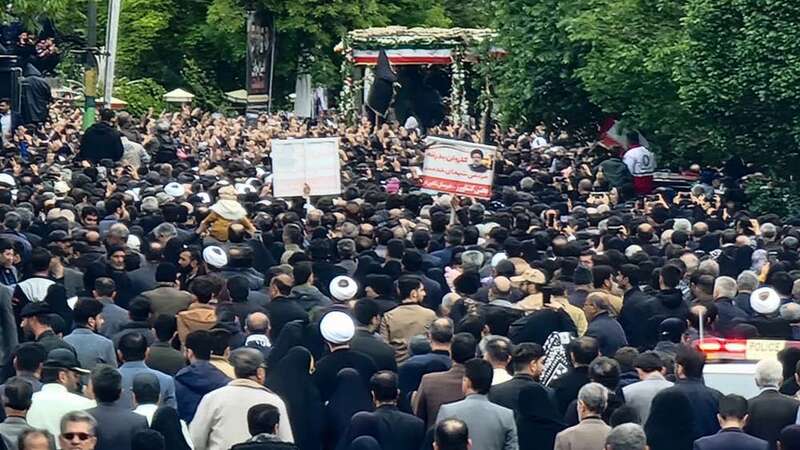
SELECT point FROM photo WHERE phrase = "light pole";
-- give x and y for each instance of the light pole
(90, 66)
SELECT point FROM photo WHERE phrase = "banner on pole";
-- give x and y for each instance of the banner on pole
(259, 53)
(297, 162)
(458, 167)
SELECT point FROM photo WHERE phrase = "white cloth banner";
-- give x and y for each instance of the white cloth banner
(296, 162)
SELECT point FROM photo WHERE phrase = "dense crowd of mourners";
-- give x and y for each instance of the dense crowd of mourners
(157, 296)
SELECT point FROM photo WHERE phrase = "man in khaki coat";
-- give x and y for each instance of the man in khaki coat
(408, 319)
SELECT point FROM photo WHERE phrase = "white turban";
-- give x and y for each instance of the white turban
(343, 288)
(337, 327)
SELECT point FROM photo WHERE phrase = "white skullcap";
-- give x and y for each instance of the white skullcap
(632, 250)
(134, 242)
(682, 224)
(215, 256)
(497, 258)
(765, 300)
(174, 190)
(337, 327)
(343, 288)
(204, 197)
(7, 179)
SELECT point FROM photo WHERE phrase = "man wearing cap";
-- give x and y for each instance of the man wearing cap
(221, 419)
(37, 319)
(338, 328)
(651, 372)
(59, 395)
(408, 319)
(530, 282)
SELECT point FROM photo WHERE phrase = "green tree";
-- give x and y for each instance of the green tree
(741, 76)
(536, 82)
(634, 46)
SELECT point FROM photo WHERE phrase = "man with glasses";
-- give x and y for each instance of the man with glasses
(78, 431)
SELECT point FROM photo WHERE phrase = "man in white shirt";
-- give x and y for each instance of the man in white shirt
(6, 121)
(60, 375)
(641, 163)
(221, 418)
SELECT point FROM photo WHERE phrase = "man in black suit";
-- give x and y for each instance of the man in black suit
(283, 308)
(368, 319)
(689, 364)
(732, 418)
(526, 359)
(770, 410)
(396, 430)
(116, 424)
(582, 352)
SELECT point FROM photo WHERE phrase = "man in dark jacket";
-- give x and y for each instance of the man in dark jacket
(770, 410)
(36, 96)
(608, 332)
(337, 328)
(668, 302)
(728, 314)
(689, 365)
(366, 340)
(116, 424)
(634, 305)
(396, 430)
(262, 423)
(282, 308)
(199, 377)
(161, 356)
(582, 352)
(102, 140)
(527, 360)
(732, 416)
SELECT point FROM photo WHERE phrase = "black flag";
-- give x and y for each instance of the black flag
(381, 91)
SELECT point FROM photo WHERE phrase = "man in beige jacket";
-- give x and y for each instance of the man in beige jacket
(591, 432)
(408, 319)
(221, 418)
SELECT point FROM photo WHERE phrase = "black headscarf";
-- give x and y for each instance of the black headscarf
(538, 420)
(291, 336)
(350, 396)
(670, 425)
(361, 424)
(291, 379)
(166, 422)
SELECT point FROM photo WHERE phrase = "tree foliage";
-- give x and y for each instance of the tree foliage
(536, 82)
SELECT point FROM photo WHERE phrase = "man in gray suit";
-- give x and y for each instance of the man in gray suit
(8, 326)
(591, 432)
(640, 395)
(491, 427)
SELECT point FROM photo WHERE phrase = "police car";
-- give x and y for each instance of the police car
(731, 363)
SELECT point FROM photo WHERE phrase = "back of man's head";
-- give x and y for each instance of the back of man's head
(246, 362)
(479, 373)
(148, 440)
(441, 331)
(462, 349)
(165, 327)
(583, 350)
(524, 354)
(200, 342)
(17, 394)
(365, 310)
(498, 350)
(733, 407)
(789, 438)
(451, 434)
(146, 388)
(383, 386)
(203, 288)
(132, 346)
(106, 383)
(29, 357)
(628, 436)
(263, 418)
